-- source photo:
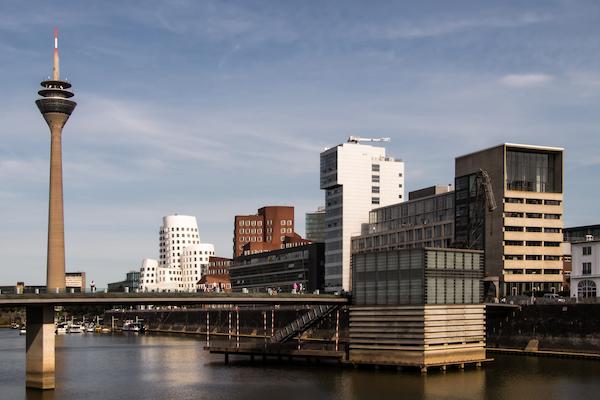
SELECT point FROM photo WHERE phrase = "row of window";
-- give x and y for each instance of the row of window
(512, 214)
(531, 229)
(531, 257)
(165, 230)
(283, 222)
(514, 200)
(532, 271)
(531, 243)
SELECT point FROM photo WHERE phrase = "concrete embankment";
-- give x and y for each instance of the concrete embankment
(567, 330)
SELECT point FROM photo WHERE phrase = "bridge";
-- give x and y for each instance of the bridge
(40, 336)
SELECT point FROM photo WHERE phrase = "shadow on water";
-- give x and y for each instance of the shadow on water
(95, 367)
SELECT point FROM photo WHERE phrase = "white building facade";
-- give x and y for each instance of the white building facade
(182, 257)
(356, 178)
(585, 274)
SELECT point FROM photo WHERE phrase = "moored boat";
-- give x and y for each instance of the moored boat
(130, 326)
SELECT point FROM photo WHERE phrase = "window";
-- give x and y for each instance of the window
(513, 200)
(552, 230)
(552, 202)
(552, 216)
(552, 258)
(586, 288)
(587, 251)
(513, 243)
(534, 215)
(533, 243)
(586, 268)
(375, 178)
(374, 200)
(375, 189)
(533, 201)
(533, 229)
(533, 257)
(513, 215)
(375, 167)
(513, 229)
(513, 257)
(552, 244)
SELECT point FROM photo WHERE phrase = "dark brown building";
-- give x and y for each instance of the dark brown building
(266, 230)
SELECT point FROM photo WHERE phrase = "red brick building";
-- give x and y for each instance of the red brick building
(271, 228)
(216, 278)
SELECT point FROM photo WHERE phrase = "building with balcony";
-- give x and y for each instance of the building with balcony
(522, 237)
(425, 220)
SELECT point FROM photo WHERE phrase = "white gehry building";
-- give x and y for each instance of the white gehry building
(356, 178)
(182, 257)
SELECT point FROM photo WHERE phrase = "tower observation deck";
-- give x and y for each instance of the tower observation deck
(56, 107)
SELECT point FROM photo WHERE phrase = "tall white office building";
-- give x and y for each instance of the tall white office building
(356, 178)
(182, 257)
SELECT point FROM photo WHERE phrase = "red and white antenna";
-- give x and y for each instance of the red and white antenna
(56, 67)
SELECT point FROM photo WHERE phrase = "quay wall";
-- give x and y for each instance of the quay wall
(555, 327)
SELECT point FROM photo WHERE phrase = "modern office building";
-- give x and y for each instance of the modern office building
(425, 220)
(182, 257)
(581, 233)
(280, 269)
(269, 229)
(56, 107)
(356, 178)
(585, 274)
(130, 284)
(522, 235)
(315, 225)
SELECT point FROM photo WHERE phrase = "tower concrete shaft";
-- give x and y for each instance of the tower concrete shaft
(56, 108)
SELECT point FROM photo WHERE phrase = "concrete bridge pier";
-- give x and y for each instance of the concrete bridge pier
(40, 339)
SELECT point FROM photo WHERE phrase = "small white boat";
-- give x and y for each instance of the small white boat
(90, 328)
(23, 330)
(130, 326)
(61, 328)
(75, 328)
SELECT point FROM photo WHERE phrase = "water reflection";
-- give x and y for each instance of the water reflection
(95, 367)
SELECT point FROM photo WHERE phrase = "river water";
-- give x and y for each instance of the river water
(93, 367)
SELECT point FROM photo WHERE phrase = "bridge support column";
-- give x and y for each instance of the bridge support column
(40, 364)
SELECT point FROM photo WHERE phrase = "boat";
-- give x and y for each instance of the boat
(130, 326)
(23, 330)
(14, 325)
(61, 328)
(91, 327)
(75, 328)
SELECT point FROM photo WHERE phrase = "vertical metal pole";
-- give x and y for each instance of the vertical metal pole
(337, 330)
(207, 329)
(273, 322)
(238, 329)
(265, 326)
(229, 335)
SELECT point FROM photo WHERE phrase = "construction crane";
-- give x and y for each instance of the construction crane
(483, 191)
(485, 182)
(356, 139)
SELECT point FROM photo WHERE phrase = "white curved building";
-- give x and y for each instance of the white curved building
(182, 258)
(194, 263)
(148, 274)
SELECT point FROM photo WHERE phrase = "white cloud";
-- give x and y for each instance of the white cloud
(526, 80)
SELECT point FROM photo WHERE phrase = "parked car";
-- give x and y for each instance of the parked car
(554, 297)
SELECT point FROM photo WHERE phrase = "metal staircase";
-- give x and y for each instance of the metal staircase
(303, 323)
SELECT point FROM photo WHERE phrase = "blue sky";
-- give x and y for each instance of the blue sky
(216, 108)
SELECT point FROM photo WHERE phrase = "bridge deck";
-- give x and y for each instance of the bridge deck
(166, 299)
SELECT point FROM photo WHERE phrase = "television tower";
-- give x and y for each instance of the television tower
(56, 108)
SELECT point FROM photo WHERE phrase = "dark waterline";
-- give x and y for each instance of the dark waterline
(94, 367)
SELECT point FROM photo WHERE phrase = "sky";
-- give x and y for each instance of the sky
(216, 108)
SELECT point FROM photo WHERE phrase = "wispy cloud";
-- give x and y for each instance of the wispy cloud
(526, 80)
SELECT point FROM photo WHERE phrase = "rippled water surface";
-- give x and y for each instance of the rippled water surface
(93, 367)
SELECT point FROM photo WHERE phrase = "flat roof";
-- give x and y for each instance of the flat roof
(524, 146)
